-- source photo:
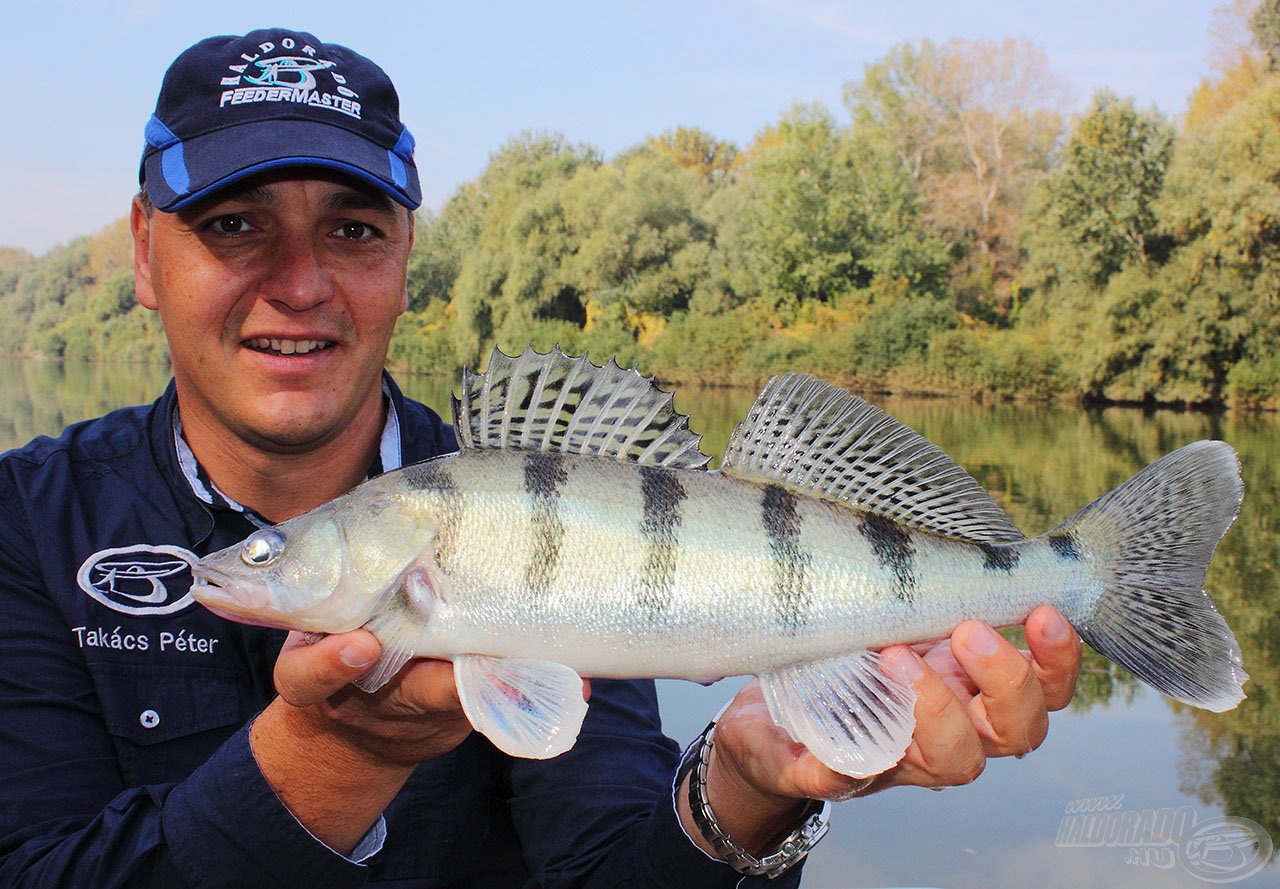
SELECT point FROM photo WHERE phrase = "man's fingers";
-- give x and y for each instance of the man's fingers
(427, 686)
(307, 673)
(1055, 655)
(945, 748)
(943, 662)
(1009, 711)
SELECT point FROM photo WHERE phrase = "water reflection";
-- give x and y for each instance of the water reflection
(1042, 463)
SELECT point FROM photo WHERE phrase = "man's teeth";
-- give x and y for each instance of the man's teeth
(289, 347)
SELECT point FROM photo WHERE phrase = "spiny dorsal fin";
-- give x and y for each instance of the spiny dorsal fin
(811, 435)
(552, 402)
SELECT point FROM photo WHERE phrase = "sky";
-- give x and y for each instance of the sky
(82, 75)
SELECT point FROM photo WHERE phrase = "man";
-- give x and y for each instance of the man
(142, 738)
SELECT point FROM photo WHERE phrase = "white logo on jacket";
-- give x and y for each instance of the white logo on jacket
(141, 580)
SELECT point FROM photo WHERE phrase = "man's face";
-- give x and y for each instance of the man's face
(278, 297)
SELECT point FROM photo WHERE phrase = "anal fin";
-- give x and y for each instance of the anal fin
(854, 713)
(528, 708)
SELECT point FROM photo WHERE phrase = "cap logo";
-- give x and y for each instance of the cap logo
(290, 71)
(287, 77)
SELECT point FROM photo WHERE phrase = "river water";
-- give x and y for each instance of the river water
(1188, 777)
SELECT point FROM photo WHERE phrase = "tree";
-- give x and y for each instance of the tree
(975, 123)
(1215, 96)
(440, 239)
(697, 150)
(641, 239)
(899, 100)
(1265, 24)
(1094, 214)
(1220, 207)
(825, 212)
(511, 273)
(1237, 62)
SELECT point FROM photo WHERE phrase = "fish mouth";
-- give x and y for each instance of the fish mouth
(232, 601)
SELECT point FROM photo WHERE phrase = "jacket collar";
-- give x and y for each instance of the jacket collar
(198, 495)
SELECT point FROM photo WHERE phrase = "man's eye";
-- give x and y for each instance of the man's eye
(357, 231)
(230, 225)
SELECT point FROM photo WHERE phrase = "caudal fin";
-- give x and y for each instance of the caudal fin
(1150, 541)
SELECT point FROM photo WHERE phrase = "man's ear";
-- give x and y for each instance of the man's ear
(140, 225)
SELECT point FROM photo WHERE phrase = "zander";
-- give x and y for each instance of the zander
(578, 532)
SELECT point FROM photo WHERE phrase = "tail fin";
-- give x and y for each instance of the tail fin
(1151, 540)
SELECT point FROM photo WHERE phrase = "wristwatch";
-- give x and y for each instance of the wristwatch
(794, 847)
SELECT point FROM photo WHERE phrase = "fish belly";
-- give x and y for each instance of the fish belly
(619, 570)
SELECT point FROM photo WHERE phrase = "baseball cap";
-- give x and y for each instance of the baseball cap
(230, 107)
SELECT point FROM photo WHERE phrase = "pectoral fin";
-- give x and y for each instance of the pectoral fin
(398, 628)
(854, 713)
(527, 708)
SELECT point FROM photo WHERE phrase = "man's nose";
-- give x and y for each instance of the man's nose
(298, 279)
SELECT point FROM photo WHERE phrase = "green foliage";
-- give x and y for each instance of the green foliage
(706, 347)
(1265, 25)
(1094, 214)
(1006, 363)
(421, 342)
(973, 124)
(825, 212)
(1255, 383)
(799, 233)
(894, 332)
(640, 238)
(512, 273)
(77, 303)
(698, 151)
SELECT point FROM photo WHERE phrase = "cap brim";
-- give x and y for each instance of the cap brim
(188, 171)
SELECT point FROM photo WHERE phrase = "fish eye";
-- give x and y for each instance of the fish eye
(262, 548)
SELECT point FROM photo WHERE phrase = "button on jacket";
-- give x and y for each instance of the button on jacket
(124, 709)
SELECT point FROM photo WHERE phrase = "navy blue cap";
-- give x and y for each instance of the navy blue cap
(231, 107)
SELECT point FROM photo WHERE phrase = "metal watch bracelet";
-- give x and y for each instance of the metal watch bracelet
(794, 847)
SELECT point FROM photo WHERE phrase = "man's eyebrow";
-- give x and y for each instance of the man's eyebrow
(357, 199)
(256, 194)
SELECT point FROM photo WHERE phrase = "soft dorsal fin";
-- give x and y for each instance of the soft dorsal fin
(816, 437)
(552, 402)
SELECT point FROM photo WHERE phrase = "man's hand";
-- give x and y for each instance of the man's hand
(337, 756)
(415, 717)
(976, 697)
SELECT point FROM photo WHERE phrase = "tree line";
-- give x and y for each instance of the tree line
(951, 232)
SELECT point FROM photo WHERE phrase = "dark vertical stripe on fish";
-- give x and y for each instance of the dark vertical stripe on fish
(663, 496)
(791, 564)
(1065, 547)
(893, 547)
(544, 476)
(999, 557)
(434, 475)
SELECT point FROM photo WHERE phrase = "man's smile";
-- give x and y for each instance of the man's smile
(277, 346)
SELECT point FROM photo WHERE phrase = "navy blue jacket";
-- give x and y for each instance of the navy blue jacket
(124, 710)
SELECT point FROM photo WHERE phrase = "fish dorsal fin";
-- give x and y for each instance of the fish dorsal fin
(552, 402)
(816, 437)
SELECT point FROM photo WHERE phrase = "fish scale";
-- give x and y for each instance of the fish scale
(577, 532)
(831, 588)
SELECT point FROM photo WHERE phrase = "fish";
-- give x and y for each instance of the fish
(578, 532)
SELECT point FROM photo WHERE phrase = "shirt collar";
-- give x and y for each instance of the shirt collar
(390, 456)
